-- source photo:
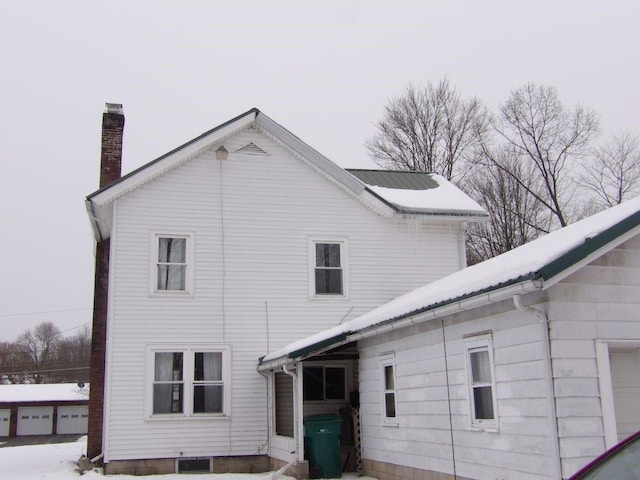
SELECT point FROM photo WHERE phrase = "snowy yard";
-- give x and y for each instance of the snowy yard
(57, 462)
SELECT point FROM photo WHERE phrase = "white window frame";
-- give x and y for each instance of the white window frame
(153, 264)
(344, 265)
(472, 345)
(188, 380)
(388, 360)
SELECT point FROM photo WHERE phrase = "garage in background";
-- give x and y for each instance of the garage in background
(49, 409)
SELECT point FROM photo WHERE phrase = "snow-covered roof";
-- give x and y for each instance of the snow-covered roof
(534, 266)
(419, 192)
(53, 392)
(442, 199)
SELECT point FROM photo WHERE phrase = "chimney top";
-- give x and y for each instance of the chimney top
(113, 108)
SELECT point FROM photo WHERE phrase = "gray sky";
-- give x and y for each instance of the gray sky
(324, 72)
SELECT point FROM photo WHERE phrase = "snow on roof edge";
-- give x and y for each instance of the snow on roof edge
(43, 392)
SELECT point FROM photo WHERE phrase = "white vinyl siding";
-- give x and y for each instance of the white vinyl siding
(433, 395)
(250, 218)
(598, 303)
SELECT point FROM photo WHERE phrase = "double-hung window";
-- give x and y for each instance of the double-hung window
(328, 269)
(482, 389)
(388, 386)
(168, 382)
(190, 382)
(172, 264)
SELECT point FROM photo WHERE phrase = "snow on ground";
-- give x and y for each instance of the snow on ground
(58, 462)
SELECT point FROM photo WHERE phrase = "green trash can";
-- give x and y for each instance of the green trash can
(322, 443)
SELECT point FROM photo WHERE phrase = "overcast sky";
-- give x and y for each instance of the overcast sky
(324, 70)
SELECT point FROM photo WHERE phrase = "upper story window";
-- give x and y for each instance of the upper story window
(190, 381)
(481, 382)
(328, 268)
(388, 385)
(172, 264)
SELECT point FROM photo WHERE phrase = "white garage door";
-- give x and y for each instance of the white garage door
(5, 421)
(73, 419)
(35, 421)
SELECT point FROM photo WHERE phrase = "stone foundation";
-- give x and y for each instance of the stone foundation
(389, 471)
(158, 466)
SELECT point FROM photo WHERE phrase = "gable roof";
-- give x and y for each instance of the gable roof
(435, 196)
(535, 266)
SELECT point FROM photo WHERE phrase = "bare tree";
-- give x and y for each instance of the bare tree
(41, 348)
(516, 216)
(73, 357)
(541, 132)
(613, 175)
(430, 129)
(13, 361)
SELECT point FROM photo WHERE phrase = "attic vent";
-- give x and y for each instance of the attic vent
(251, 149)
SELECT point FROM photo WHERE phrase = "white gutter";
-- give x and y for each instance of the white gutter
(553, 418)
(465, 304)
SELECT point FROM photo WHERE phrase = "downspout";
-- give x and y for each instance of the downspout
(296, 436)
(553, 418)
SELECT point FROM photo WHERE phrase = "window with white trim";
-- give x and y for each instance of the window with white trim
(480, 372)
(190, 382)
(388, 388)
(172, 264)
(328, 272)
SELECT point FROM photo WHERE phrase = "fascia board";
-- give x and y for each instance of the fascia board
(391, 208)
(590, 257)
(171, 160)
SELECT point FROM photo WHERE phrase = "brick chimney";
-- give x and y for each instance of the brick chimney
(111, 155)
(110, 171)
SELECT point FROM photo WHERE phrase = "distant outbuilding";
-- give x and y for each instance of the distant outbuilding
(47, 409)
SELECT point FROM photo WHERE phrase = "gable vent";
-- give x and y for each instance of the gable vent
(251, 149)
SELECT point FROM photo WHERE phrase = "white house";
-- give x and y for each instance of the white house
(525, 366)
(224, 249)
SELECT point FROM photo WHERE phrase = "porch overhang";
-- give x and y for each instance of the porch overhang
(343, 334)
(302, 353)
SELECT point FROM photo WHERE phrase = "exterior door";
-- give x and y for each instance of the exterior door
(35, 421)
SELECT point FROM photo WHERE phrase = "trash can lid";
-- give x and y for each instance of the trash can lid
(321, 417)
